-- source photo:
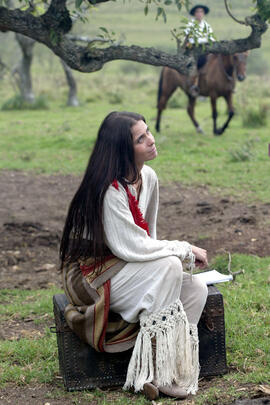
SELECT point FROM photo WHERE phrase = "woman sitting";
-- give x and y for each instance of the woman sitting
(125, 286)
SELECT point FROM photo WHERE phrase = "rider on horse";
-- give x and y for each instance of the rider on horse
(198, 32)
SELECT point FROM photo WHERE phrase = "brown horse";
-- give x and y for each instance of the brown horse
(216, 79)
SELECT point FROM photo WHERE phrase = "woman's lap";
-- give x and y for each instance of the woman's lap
(151, 286)
(146, 286)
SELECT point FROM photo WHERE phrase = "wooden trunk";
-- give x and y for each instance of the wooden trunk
(83, 368)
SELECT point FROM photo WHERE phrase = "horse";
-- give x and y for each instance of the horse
(217, 78)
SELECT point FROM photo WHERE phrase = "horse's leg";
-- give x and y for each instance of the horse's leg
(214, 114)
(190, 110)
(228, 99)
(158, 119)
(167, 85)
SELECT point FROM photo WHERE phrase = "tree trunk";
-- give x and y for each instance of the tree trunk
(22, 71)
(72, 94)
(3, 67)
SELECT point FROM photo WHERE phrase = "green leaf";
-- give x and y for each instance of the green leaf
(54, 37)
(78, 3)
(164, 16)
(104, 29)
(178, 4)
(159, 12)
(146, 9)
(168, 2)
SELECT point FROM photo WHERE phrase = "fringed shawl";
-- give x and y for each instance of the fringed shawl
(88, 313)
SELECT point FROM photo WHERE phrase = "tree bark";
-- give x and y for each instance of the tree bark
(72, 94)
(22, 71)
(51, 27)
(3, 67)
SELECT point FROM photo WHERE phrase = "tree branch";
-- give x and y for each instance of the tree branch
(85, 59)
(233, 273)
(89, 40)
(57, 17)
(2, 65)
(258, 28)
(231, 15)
(93, 2)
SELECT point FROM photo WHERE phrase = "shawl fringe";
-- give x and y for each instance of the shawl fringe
(166, 350)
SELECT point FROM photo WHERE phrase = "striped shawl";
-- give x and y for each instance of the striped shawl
(88, 313)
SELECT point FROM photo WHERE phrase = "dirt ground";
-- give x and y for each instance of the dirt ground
(46, 394)
(32, 214)
(33, 209)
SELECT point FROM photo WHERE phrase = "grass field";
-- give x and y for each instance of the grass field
(59, 139)
(33, 359)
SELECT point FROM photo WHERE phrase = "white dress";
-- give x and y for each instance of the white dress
(153, 289)
(143, 283)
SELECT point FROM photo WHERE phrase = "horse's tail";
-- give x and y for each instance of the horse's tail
(160, 86)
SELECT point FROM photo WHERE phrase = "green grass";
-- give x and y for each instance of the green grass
(18, 103)
(246, 301)
(23, 303)
(60, 139)
(247, 318)
(26, 360)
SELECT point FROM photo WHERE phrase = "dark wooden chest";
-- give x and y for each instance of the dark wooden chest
(83, 368)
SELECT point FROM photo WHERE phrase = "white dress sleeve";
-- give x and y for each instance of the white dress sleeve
(130, 242)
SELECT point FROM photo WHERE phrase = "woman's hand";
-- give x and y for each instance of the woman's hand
(200, 256)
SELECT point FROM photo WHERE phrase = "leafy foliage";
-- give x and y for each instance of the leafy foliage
(162, 4)
(255, 117)
(107, 34)
(243, 153)
(263, 7)
(192, 30)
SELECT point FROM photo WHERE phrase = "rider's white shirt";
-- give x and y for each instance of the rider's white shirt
(204, 32)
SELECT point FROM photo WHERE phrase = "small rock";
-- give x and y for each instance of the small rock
(45, 267)
(247, 220)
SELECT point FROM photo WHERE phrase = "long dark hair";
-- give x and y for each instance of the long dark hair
(112, 158)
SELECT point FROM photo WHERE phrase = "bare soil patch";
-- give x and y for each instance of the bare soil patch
(16, 329)
(47, 394)
(33, 209)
